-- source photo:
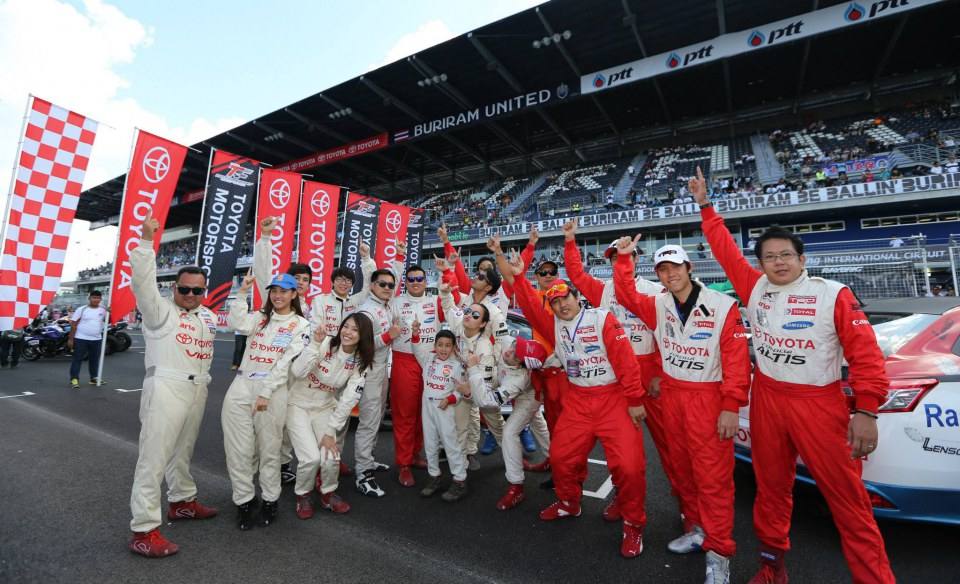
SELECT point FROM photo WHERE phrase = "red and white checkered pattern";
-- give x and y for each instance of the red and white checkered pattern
(49, 176)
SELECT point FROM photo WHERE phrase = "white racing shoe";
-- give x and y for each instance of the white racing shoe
(688, 543)
(367, 485)
(718, 569)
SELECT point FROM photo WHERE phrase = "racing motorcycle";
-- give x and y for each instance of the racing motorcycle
(44, 340)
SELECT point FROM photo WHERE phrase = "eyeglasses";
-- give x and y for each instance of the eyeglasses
(384, 284)
(186, 290)
(545, 273)
(473, 314)
(787, 256)
(342, 280)
(416, 279)
(480, 276)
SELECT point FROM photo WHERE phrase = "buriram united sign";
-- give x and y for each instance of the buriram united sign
(736, 43)
(733, 205)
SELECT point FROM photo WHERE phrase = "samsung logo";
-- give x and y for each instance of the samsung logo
(797, 325)
(700, 336)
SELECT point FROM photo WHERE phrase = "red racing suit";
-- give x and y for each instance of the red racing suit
(603, 295)
(802, 331)
(704, 372)
(604, 380)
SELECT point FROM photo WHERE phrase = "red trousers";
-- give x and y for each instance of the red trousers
(406, 390)
(600, 413)
(702, 462)
(654, 420)
(550, 384)
(788, 419)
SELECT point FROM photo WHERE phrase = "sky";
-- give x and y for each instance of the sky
(188, 70)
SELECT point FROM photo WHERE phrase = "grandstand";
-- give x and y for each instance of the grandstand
(763, 122)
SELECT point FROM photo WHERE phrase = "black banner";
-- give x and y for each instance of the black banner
(359, 225)
(231, 192)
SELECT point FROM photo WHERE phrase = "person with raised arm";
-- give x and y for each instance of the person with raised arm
(603, 294)
(705, 375)
(455, 273)
(255, 407)
(179, 334)
(604, 401)
(803, 329)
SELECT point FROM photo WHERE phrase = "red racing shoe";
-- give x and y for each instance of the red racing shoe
(772, 569)
(539, 467)
(345, 471)
(632, 545)
(333, 502)
(151, 544)
(405, 476)
(513, 497)
(612, 511)
(190, 510)
(560, 510)
(304, 506)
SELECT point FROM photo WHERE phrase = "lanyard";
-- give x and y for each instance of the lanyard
(573, 337)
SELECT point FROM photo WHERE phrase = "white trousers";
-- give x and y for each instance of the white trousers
(468, 425)
(306, 426)
(170, 415)
(372, 405)
(526, 410)
(250, 438)
(440, 431)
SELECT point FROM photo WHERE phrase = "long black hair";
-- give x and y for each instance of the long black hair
(365, 346)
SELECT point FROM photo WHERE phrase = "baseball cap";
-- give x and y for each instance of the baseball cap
(545, 262)
(612, 250)
(285, 281)
(531, 353)
(558, 290)
(670, 253)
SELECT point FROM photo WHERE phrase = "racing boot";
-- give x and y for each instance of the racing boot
(689, 542)
(367, 485)
(268, 513)
(611, 512)
(304, 506)
(560, 510)
(539, 467)
(190, 510)
(772, 568)
(632, 545)
(432, 486)
(526, 438)
(405, 476)
(489, 444)
(513, 497)
(456, 491)
(287, 475)
(718, 569)
(151, 544)
(333, 502)
(245, 515)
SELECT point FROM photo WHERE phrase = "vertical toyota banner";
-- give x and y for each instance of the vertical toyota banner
(230, 193)
(359, 225)
(48, 176)
(279, 195)
(415, 236)
(318, 233)
(151, 181)
(391, 230)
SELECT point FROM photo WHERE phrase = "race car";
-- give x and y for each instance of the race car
(915, 473)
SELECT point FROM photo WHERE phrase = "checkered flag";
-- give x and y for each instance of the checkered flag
(54, 154)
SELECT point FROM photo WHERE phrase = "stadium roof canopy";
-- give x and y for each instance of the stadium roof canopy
(498, 62)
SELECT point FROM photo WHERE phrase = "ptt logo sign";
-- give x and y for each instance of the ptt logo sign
(760, 39)
(856, 12)
(675, 61)
(602, 81)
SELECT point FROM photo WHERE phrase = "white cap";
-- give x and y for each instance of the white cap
(670, 253)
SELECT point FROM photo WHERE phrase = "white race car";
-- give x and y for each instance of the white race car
(915, 473)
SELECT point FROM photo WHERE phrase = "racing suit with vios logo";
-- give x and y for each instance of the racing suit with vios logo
(706, 369)
(248, 435)
(801, 333)
(179, 350)
(604, 380)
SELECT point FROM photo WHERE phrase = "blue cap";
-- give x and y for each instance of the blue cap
(285, 281)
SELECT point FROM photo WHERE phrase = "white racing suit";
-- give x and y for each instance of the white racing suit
(440, 379)
(514, 384)
(325, 386)
(179, 350)
(374, 402)
(468, 412)
(250, 436)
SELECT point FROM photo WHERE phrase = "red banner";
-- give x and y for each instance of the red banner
(279, 195)
(391, 230)
(339, 153)
(318, 233)
(154, 172)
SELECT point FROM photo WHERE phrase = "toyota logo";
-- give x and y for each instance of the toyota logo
(156, 164)
(279, 193)
(320, 203)
(393, 221)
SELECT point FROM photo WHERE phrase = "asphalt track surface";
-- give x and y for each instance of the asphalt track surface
(68, 460)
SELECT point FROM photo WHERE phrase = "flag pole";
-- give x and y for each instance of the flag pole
(13, 183)
(203, 208)
(113, 272)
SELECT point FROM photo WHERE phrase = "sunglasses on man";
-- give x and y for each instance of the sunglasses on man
(416, 279)
(480, 276)
(385, 284)
(545, 272)
(187, 290)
